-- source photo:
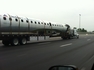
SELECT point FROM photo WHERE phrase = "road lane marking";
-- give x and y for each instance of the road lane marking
(88, 39)
(66, 45)
(45, 43)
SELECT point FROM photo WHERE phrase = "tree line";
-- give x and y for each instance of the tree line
(81, 30)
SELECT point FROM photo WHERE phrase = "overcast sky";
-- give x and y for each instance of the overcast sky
(60, 11)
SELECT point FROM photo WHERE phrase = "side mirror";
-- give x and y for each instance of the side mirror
(61, 67)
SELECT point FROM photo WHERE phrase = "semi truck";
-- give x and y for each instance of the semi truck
(16, 30)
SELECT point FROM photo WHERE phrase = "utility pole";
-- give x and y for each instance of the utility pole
(79, 20)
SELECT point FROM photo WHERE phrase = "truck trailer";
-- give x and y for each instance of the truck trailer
(16, 30)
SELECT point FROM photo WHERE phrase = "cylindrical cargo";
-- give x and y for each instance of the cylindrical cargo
(9, 23)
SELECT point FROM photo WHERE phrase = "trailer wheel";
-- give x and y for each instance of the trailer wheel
(23, 41)
(69, 37)
(64, 38)
(15, 42)
(6, 43)
(76, 37)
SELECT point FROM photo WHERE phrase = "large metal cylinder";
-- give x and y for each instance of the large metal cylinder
(9, 23)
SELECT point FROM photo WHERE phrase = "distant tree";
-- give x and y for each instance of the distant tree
(74, 28)
(81, 30)
(92, 31)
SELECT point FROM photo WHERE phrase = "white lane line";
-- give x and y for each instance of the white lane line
(45, 43)
(88, 39)
(66, 45)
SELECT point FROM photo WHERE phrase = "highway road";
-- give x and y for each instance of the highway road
(42, 55)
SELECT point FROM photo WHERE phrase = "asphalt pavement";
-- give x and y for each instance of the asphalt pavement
(42, 55)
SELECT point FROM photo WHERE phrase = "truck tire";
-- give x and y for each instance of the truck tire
(23, 41)
(64, 38)
(69, 37)
(77, 37)
(6, 43)
(14, 42)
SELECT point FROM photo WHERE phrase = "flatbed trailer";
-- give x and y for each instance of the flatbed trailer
(16, 30)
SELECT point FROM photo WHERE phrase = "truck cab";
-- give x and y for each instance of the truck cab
(75, 33)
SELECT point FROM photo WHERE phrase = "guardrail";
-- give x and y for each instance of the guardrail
(85, 32)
